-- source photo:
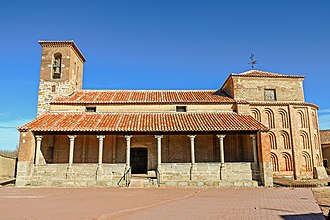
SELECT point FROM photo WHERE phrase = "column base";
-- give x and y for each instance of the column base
(69, 172)
(193, 172)
(222, 171)
(99, 172)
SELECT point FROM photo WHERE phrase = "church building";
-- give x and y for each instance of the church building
(255, 126)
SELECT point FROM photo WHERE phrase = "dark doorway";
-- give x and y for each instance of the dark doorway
(139, 160)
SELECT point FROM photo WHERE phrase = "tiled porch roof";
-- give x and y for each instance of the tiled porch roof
(143, 122)
(325, 136)
(83, 97)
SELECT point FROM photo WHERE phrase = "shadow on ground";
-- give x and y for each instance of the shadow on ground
(310, 216)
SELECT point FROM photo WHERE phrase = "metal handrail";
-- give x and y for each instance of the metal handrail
(125, 177)
(128, 177)
(158, 177)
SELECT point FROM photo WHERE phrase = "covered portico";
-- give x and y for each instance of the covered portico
(222, 148)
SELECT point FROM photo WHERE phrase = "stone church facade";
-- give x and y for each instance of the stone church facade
(256, 126)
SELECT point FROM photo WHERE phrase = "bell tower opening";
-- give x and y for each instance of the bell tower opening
(57, 66)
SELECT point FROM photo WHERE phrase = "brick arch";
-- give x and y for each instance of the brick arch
(287, 162)
(256, 114)
(302, 119)
(307, 163)
(270, 117)
(316, 141)
(56, 72)
(284, 118)
(274, 161)
(314, 119)
(272, 138)
(318, 161)
(303, 138)
(285, 138)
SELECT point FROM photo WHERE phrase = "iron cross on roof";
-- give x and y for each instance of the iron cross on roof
(253, 62)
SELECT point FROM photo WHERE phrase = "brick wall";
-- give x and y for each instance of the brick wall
(294, 138)
(252, 88)
(71, 76)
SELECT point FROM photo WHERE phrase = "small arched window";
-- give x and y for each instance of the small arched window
(57, 66)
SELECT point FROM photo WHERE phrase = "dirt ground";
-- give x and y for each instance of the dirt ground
(322, 196)
(158, 203)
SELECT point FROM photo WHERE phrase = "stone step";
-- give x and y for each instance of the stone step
(250, 183)
(138, 182)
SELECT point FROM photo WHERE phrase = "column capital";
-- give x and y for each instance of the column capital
(191, 137)
(253, 136)
(101, 137)
(159, 136)
(38, 137)
(221, 136)
(72, 137)
(128, 137)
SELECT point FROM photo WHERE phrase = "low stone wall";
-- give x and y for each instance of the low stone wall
(75, 175)
(205, 171)
(7, 167)
(170, 174)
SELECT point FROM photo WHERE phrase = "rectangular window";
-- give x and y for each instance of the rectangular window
(325, 163)
(90, 109)
(270, 95)
(181, 108)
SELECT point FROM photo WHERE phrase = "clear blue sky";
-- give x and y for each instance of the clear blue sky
(154, 44)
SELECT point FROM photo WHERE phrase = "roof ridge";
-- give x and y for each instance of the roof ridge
(261, 73)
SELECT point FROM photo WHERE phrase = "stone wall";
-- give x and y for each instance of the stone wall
(210, 174)
(77, 175)
(7, 166)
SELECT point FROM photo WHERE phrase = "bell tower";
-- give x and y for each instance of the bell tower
(61, 71)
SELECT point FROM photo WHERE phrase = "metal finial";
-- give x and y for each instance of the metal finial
(253, 62)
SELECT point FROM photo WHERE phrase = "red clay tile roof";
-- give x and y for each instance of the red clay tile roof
(82, 97)
(143, 122)
(259, 73)
(325, 136)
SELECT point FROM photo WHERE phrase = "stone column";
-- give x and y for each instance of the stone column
(72, 137)
(70, 172)
(222, 157)
(222, 152)
(254, 146)
(192, 147)
(192, 154)
(101, 138)
(159, 149)
(128, 149)
(99, 171)
(38, 149)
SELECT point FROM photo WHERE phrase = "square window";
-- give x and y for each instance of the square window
(270, 95)
(90, 109)
(181, 108)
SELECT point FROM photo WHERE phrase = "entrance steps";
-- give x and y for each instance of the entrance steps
(143, 180)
